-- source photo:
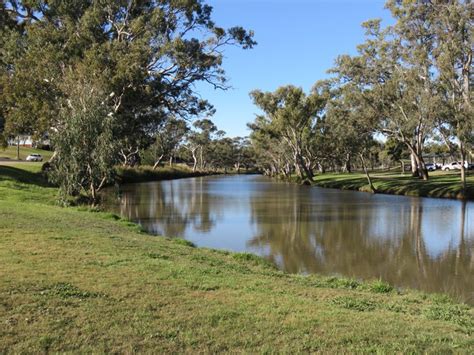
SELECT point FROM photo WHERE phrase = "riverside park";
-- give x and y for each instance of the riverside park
(171, 182)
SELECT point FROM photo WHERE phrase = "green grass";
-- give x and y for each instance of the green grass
(440, 184)
(78, 280)
(10, 153)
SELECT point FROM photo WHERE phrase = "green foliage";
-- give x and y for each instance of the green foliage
(409, 82)
(167, 138)
(139, 61)
(284, 132)
(84, 141)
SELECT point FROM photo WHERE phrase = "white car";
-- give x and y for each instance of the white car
(456, 165)
(431, 167)
(34, 157)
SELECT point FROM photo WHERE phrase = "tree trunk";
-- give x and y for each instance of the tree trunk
(403, 166)
(414, 168)
(93, 193)
(171, 161)
(463, 168)
(304, 172)
(369, 179)
(421, 168)
(158, 161)
(55, 154)
(202, 162)
(322, 168)
(18, 148)
(193, 152)
(347, 165)
(418, 167)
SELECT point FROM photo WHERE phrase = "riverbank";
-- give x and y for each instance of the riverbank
(440, 184)
(146, 173)
(83, 281)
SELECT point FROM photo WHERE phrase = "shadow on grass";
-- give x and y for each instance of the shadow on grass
(24, 176)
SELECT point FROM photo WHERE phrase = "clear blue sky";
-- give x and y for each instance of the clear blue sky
(298, 41)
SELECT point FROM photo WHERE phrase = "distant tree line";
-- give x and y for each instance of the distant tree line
(410, 83)
(107, 79)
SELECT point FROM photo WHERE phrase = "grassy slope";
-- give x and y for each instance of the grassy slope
(10, 153)
(440, 183)
(76, 280)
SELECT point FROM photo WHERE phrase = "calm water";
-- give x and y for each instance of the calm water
(409, 242)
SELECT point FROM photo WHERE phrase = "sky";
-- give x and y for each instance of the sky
(298, 41)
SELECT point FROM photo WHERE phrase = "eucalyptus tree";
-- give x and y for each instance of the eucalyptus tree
(272, 155)
(292, 115)
(243, 154)
(84, 140)
(394, 78)
(142, 57)
(396, 152)
(352, 126)
(203, 135)
(453, 28)
(324, 149)
(198, 141)
(223, 153)
(167, 139)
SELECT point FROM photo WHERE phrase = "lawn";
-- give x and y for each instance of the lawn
(82, 281)
(11, 153)
(440, 183)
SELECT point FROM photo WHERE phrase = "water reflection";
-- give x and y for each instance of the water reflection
(410, 242)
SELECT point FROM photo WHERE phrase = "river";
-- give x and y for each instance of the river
(409, 242)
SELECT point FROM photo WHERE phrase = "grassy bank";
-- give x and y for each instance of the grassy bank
(146, 173)
(82, 281)
(440, 184)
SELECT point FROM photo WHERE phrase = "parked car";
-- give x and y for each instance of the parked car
(34, 157)
(456, 165)
(431, 167)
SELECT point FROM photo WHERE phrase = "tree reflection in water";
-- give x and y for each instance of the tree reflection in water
(410, 242)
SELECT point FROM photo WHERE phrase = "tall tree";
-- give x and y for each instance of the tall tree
(393, 75)
(85, 144)
(167, 139)
(292, 115)
(143, 57)
(453, 28)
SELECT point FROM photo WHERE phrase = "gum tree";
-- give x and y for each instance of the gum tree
(454, 35)
(291, 114)
(143, 57)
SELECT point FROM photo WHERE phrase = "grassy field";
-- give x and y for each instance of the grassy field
(440, 184)
(11, 153)
(82, 281)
